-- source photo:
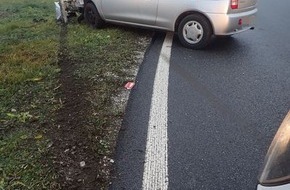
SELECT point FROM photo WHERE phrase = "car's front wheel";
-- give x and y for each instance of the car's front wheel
(92, 16)
(195, 31)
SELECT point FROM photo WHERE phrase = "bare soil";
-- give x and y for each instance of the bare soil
(73, 156)
(76, 145)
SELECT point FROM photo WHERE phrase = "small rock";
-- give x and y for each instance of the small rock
(68, 178)
(82, 164)
(112, 161)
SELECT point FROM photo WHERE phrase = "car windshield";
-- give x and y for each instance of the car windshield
(276, 169)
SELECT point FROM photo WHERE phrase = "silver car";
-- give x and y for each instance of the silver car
(194, 21)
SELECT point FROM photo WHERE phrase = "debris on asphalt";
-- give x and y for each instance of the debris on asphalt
(129, 85)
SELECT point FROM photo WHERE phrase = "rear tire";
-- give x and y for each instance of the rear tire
(195, 31)
(92, 16)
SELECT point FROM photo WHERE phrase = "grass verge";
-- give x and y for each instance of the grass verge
(58, 123)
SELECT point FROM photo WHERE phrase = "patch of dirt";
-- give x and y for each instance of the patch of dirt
(74, 159)
(81, 149)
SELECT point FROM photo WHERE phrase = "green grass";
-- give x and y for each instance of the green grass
(22, 167)
(103, 59)
(29, 72)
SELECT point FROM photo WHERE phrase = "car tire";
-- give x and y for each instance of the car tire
(195, 31)
(92, 16)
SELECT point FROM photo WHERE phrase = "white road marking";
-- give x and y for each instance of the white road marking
(155, 176)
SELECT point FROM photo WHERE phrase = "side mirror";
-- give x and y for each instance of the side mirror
(276, 171)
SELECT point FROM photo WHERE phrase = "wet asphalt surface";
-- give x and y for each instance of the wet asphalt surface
(225, 104)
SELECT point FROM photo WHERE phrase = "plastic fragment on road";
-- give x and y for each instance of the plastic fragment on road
(129, 85)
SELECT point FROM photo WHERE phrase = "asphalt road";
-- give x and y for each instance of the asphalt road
(225, 104)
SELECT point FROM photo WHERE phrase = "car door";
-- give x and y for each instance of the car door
(132, 11)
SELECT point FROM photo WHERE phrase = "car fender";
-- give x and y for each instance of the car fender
(169, 19)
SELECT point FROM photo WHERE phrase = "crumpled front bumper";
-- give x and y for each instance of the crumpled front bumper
(64, 7)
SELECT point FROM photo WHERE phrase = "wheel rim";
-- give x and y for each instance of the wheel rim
(192, 32)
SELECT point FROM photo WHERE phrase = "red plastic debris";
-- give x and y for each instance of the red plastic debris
(129, 85)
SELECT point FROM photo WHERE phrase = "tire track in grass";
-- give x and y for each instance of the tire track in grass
(73, 156)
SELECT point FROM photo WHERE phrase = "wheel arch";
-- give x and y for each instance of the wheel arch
(96, 5)
(98, 19)
(183, 15)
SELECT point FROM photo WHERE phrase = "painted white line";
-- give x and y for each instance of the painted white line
(155, 176)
